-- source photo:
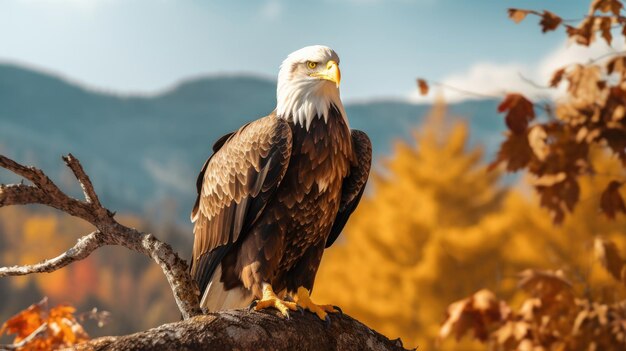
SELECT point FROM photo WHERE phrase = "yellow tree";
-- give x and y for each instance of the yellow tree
(425, 235)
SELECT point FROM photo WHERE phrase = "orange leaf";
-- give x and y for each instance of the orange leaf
(423, 86)
(25, 322)
(62, 311)
(517, 15)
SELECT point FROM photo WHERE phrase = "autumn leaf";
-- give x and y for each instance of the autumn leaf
(515, 151)
(607, 253)
(559, 197)
(25, 322)
(60, 327)
(616, 64)
(537, 140)
(549, 21)
(557, 77)
(517, 15)
(605, 29)
(549, 286)
(606, 6)
(519, 110)
(584, 33)
(423, 87)
(611, 201)
(550, 179)
(478, 312)
(616, 141)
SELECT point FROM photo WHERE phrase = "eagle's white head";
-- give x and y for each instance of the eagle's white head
(308, 83)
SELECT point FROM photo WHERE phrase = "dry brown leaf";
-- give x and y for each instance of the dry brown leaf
(584, 33)
(605, 24)
(515, 152)
(549, 286)
(478, 312)
(606, 6)
(611, 201)
(616, 64)
(549, 21)
(607, 253)
(520, 111)
(550, 179)
(422, 86)
(557, 76)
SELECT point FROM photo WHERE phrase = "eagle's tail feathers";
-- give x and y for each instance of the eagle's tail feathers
(217, 298)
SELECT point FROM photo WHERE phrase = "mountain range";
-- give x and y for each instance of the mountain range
(142, 150)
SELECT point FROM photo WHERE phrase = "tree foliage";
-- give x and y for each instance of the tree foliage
(437, 226)
(557, 150)
(41, 328)
(576, 154)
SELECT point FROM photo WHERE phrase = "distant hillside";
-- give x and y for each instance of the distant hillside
(142, 150)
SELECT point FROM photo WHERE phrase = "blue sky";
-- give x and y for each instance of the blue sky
(145, 46)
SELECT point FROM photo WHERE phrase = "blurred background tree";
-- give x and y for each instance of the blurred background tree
(437, 226)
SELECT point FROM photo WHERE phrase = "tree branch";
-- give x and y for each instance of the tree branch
(244, 330)
(83, 248)
(240, 329)
(85, 183)
(110, 232)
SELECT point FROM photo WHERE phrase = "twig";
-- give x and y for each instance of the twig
(32, 336)
(83, 248)
(110, 232)
(85, 182)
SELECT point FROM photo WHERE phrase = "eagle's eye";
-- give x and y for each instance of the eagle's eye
(311, 64)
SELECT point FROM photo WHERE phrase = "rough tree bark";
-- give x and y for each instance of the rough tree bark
(230, 330)
(251, 330)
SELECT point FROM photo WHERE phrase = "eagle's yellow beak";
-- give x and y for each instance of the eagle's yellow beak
(332, 73)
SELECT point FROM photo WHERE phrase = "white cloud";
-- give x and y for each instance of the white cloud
(271, 10)
(491, 79)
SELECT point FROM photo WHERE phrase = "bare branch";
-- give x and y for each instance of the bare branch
(83, 248)
(21, 194)
(33, 174)
(109, 232)
(85, 183)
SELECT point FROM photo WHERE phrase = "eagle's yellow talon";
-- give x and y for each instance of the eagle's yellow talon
(303, 299)
(271, 300)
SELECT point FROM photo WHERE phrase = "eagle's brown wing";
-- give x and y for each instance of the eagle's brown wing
(237, 182)
(354, 184)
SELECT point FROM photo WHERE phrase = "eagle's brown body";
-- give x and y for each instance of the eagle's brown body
(271, 199)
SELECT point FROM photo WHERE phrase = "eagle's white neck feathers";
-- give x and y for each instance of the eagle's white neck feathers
(301, 98)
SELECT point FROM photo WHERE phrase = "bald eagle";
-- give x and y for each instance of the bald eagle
(277, 192)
